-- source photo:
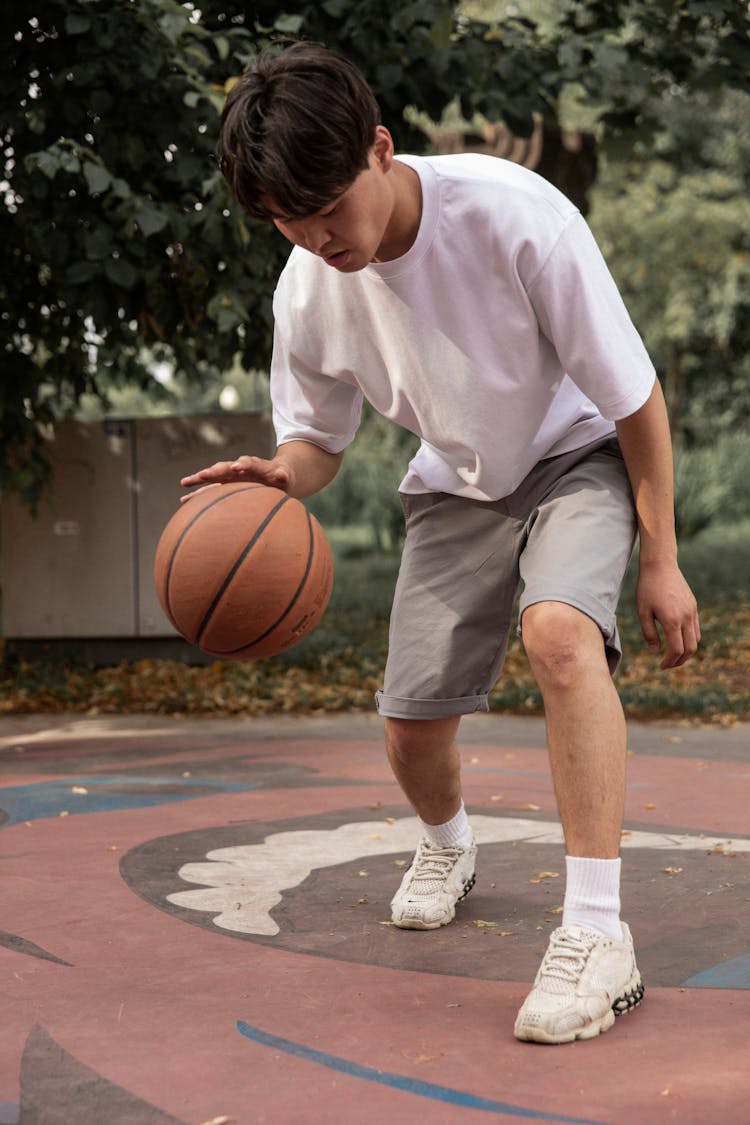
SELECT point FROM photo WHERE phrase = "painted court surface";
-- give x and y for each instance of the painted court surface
(194, 929)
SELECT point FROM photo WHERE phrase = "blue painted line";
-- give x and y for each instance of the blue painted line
(729, 974)
(46, 799)
(400, 1082)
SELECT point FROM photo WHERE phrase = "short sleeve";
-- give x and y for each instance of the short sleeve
(581, 312)
(309, 405)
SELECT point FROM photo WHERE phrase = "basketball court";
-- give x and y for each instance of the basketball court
(195, 929)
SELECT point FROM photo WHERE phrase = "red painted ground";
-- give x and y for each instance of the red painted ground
(125, 1003)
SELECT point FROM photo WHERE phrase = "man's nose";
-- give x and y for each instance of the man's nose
(315, 234)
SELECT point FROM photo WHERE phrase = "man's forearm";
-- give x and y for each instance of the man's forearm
(310, 467)
(647, 449)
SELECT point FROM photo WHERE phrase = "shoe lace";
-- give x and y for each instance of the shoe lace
(567, 955)
(431, 869)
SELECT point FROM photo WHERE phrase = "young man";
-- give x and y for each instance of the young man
(466, 299)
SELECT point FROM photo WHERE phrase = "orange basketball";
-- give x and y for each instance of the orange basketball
(243, 571)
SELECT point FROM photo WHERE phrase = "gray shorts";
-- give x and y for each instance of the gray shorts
(566, 534)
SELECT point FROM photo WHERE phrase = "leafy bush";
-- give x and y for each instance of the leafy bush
(711, 483)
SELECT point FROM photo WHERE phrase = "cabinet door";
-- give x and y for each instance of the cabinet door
(71, 571)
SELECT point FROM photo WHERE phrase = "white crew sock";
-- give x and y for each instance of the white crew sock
(455, 833)
(592, 895)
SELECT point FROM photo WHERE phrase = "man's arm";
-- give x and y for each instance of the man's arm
(662, 594)
(298, 468)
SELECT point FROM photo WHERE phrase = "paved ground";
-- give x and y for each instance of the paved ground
(195, 929)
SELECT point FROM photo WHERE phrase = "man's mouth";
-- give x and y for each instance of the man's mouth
(337, 258)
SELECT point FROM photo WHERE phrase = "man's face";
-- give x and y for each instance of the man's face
(350, 232)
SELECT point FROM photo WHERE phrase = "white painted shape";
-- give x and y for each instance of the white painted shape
(244, 883)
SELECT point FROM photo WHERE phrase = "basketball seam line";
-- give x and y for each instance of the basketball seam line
(183, 533)
(248, 547)
(295, 599)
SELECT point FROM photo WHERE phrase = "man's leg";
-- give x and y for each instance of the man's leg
(426, 763)
(585, 726)
(589, 973)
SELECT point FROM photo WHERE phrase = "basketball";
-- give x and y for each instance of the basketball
(243, 571)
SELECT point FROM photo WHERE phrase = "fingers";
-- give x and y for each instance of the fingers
(244, 468)
(682, 637)
(650, 632)
(223, 472)
(189, 495)
(683, 643)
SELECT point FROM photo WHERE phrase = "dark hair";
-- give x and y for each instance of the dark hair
(296, 129)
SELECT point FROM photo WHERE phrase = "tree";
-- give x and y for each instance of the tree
(119, 243)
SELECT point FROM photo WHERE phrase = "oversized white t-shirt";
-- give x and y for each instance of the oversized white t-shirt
(499, 338)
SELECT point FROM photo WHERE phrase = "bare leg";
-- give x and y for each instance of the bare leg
(425, 760)
(585, 726)
(426, 763)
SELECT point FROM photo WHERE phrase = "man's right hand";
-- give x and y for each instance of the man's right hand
(273, 473)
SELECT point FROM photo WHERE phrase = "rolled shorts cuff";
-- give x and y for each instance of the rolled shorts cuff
(392, 707)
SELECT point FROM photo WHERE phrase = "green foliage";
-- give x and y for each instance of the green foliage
(628, 56)
(711, 483)
(116, 232)
(119, 244)
(674, 222)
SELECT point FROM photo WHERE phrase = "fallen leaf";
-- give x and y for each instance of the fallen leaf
(530, 807)
(497, 797)
(479, 923)
(545, 875)
(650, 805)
(671, 870)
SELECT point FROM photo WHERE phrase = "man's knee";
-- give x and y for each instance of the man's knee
(561, 642)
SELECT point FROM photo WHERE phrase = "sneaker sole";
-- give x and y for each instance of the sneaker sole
(418, 924)
(624, 1003)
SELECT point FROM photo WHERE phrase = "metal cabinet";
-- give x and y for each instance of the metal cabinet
(83, 567)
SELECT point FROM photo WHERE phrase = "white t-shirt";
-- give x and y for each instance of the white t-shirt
(499, 338)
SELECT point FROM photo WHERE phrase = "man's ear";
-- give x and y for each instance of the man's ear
(383, 147)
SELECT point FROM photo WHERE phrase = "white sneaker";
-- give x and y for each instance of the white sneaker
(437, 879)
(585, 980)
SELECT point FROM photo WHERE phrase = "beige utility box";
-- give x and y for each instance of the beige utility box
(83, 568)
